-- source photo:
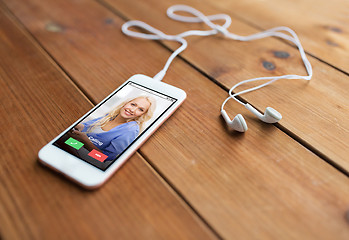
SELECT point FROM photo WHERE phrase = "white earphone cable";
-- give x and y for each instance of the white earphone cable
(156, 34)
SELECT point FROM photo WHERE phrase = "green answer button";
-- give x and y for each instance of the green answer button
(74, 143)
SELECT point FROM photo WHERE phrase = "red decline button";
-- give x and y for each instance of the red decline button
(97, 155)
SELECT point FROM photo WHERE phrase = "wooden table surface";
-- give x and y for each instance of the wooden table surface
(193, 179)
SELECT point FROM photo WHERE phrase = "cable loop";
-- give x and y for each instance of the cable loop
(222, 30)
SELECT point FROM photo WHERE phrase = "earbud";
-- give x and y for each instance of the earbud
(238, 123)
(270, 115)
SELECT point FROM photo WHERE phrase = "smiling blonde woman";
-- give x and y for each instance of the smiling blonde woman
(113, 133)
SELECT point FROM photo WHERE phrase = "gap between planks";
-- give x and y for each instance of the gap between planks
(257, 27)
(178, 193)
(50, 57)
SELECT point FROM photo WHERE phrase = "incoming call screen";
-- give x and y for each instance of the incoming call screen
(102, 136)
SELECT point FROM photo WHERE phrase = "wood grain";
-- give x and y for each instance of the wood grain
(322, 25)
(259, 185)
(315, 112)
(38, 101)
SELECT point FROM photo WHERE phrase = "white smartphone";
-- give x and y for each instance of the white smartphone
(96, 145)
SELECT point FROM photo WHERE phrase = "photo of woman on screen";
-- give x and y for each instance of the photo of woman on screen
(112, 133)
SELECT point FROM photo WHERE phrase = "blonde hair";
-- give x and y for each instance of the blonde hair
(141, 120)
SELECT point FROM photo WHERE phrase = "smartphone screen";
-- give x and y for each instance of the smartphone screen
(111, 128)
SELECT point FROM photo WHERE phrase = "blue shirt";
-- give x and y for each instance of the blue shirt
(114, 141)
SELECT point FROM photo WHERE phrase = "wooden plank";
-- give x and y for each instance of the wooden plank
(259, 185)
(322, 25)
(37, 102)
(306, 107)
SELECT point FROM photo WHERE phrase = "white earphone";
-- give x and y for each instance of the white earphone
(238, 123)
